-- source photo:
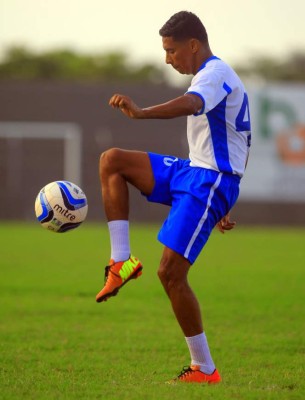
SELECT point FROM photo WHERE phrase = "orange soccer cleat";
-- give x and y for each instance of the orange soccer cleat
(117, 274)
(193, 374)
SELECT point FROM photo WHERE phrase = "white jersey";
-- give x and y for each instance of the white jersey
(219, 134)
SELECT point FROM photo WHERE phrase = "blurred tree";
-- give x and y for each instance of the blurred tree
(20, 63)
(290, 69)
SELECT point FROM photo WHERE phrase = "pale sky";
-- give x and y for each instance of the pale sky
(237, 29)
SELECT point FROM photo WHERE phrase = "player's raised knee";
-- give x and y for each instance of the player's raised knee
(109, 159)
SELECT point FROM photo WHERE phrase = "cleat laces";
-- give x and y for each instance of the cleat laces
(186, 371)
(107, 270)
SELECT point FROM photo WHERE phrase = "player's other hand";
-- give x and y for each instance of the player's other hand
(225, 224)
(126, 105)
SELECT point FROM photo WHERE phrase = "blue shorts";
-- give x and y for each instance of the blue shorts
(198, 197)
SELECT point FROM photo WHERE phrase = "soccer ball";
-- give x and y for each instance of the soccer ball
(61, 206)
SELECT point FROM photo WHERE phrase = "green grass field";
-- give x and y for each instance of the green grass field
(57, 343)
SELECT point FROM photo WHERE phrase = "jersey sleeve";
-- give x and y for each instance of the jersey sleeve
(209, 85)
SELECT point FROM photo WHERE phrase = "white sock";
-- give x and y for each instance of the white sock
(119, 240)
(200, 353)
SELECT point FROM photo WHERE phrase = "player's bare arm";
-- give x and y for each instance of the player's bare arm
(187, 104)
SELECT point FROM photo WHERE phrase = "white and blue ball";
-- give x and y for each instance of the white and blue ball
(61, 206)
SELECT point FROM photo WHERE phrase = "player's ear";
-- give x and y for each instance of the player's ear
(194, 45)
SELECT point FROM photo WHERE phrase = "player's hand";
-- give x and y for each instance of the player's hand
(126, 105)
(225, 224)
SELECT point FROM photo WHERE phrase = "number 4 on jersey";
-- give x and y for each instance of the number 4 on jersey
(242, 122)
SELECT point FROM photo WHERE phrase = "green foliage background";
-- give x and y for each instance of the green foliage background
(64, 64)
(19, 62)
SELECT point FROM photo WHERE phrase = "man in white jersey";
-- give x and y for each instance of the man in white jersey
(200, 190)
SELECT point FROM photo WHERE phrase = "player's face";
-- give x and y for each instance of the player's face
(179, 55)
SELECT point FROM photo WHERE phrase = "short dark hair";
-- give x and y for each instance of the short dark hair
(184, 25)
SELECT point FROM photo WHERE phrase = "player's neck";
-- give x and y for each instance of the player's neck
(204, 55)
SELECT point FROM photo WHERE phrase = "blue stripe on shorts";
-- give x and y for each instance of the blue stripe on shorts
(198, 197)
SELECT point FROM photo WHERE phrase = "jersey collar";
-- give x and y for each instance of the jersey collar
(206, 61)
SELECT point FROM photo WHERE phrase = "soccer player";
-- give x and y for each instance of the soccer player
(200, 190)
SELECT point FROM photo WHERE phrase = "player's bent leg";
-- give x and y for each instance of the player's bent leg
(117, 168)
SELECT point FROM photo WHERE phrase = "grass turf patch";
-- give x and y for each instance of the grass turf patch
(57, 343)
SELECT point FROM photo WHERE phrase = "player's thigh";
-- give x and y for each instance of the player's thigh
(133, 165)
